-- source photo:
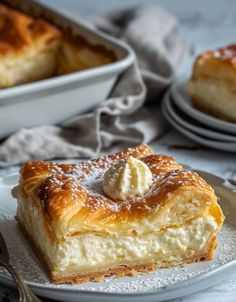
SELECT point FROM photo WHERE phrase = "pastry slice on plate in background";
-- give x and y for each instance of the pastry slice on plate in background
(212, 86)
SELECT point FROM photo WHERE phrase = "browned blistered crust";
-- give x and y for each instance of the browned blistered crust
(61, 193)
(226, 55)
(18, 31)
(218, 65)
(120, 270)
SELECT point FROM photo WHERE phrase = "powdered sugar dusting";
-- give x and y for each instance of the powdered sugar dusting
(82, 183)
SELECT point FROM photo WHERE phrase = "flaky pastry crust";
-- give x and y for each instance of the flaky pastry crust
(18, 31)
(73, 204)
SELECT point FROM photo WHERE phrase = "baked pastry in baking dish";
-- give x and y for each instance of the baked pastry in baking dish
(28, 48)
(31, 49)
(120, 214)
(212, 84)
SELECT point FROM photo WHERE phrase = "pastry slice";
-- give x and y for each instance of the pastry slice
(117, 215)
(212, 84)
(28, 48)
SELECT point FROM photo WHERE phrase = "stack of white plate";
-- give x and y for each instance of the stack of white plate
(196, 125)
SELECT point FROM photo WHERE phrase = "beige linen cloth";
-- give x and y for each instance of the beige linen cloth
(122, 120)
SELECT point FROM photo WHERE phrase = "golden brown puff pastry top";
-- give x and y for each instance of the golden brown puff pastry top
(18, 30)
(219, 65)
(227, 54)
(72, 199)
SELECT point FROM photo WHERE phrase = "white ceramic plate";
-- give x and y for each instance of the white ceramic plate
(194, 126)
(183, 101)
(160, 285)
(210, 143)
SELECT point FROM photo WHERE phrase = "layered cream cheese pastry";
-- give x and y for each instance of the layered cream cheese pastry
(212, 84)
(128, 212)
(28, 48)
(33, 49)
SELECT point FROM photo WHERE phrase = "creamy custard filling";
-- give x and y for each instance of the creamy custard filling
(173, 244)
(204, 91)
(89, 251)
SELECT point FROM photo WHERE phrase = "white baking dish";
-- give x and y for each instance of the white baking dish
(56, 99)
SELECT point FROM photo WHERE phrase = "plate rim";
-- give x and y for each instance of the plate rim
(192, 285)
(179, 98)
(195, 128)
(200, 140)
(171, 288)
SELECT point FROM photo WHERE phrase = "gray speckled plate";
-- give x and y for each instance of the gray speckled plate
(160, 285)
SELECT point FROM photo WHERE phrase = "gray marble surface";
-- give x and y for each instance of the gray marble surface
(206, 24)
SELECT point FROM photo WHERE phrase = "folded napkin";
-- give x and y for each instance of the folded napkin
(122, 120)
